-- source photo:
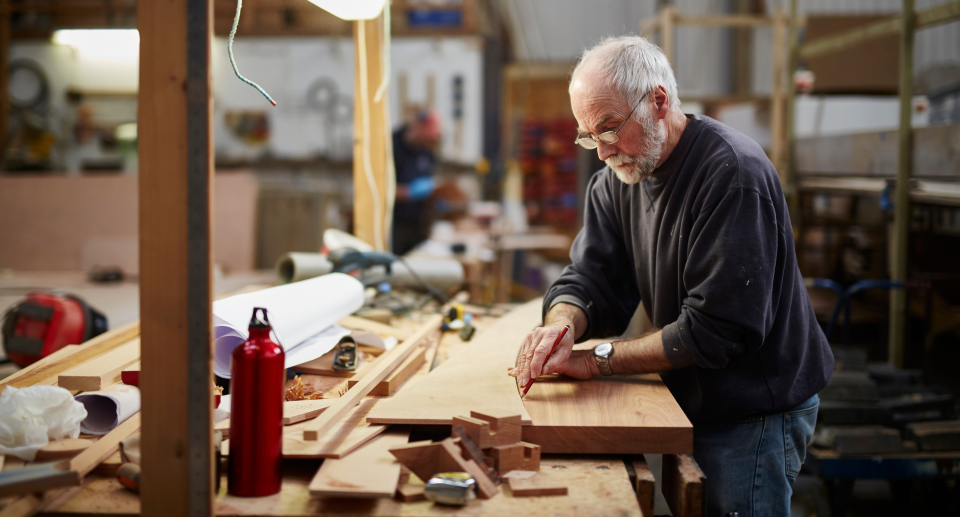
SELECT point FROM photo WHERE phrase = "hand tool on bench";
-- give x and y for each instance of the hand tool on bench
(345, 358)
(552, 350)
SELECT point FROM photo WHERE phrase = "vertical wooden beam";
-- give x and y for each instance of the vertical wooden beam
(791, 138)
(683, 485)
(777, 97)
(175, 181)
(901, 204)
(372, 161)
(743, 51)
(4, 72)
(666, 35)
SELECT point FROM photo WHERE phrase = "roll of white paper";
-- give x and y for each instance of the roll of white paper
(303, 315)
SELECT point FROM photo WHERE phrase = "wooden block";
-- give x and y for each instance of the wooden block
(131, 374)
(411, 493)
(426, 459)
(478, 430)
(386, 387)
(644, 486)
(505, 426)
(536, 486)
(299, 410)
(386, 364)
(683, 485)
(69, 357)
(110, 466)
(62, 449)
(517, 456)
(104, 371)
(936, 436)
(370, 472)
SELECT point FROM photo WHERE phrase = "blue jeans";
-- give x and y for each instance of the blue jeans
(751, 464)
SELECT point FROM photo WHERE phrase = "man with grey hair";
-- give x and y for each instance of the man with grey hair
(688, 217)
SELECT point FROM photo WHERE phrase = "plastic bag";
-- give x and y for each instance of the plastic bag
(32, 416)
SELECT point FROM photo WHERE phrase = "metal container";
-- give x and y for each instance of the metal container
(256, 414)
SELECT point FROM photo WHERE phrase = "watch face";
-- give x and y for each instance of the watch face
(603, 349)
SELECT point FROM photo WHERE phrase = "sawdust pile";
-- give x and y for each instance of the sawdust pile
(296, 392)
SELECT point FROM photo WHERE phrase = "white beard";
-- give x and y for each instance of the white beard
(641, 167)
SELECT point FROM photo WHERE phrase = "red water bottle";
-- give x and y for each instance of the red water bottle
(257, 379)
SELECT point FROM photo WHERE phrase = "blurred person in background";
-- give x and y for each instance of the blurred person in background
(415, 162)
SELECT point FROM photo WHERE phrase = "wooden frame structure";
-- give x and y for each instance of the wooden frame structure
(669, 18)
(906, 24)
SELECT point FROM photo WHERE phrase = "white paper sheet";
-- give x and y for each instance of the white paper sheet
(303, 315)
(108, 408)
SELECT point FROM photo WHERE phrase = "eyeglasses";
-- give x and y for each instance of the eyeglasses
(609, 137)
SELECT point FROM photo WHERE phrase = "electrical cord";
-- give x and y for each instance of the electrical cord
(233, 32)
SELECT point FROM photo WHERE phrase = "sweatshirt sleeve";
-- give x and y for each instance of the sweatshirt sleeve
(734, 254)
(600, 280)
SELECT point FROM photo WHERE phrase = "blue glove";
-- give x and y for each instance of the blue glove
(420, 188)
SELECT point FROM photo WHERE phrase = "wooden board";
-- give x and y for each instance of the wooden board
(352, 432)
(622, 414)
(69, 359)
(475, 379)
(369, 472)
(389, 362)
(592, 492)
(358, 323)
(683, 485)
(544, 483)
(104, 371)
(645, 485)
(62, 449)
(294, 411)
(386, 387)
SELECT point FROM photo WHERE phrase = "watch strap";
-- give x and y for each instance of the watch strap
(603, 361)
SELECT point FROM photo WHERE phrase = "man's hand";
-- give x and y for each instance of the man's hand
(532, 360)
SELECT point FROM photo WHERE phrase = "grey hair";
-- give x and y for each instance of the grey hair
(633, 66)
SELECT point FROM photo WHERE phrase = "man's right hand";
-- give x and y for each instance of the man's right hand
(533, 361)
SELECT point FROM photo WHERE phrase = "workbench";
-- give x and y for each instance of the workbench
(597, 484)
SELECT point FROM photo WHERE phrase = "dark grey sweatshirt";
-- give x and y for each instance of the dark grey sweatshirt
(706, 244)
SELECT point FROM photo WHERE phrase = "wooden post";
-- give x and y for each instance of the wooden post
(176, 177)
(372, 150)
(777, 97)
(4, 73)
(789, 180)
(901, 204)
(666, 35)
(683, 485)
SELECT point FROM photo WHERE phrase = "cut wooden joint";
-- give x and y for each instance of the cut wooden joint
(478, 430)
(683, 485)
(505, 427)
(102, 372)
(518, 456)
(425, 459)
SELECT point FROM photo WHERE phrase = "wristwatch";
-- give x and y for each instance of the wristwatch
(602, 354)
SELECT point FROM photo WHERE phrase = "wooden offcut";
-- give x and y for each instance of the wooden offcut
(370, 472)
(97, 375)
(62, 449)
(390, 360)
(541, 484)
(425, 459)
(474, 379)
(516, 456)
(70, 357)
(683, 485)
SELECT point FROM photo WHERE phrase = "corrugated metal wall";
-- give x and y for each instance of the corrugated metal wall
(558, 30)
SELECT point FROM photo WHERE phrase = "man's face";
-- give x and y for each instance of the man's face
(598, 109)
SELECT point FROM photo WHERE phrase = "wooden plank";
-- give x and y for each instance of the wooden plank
(24, 506)
(358, 323)
(541, 484)
(683, 485)
(645, 485)
(175, 178)
(88, 460)
(372, 152)
(90, 349)
(294, 411)
(61, 354)
(97, 375)
(667, 16)
(777, 97)
(352, 431)
(369, 472)
(408, 367)
(390, 360)
(621, 414)
(475, 379)
(62, 449)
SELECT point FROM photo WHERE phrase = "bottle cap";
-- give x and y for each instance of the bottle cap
(261, 322)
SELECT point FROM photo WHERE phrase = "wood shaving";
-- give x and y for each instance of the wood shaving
(296, 392)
